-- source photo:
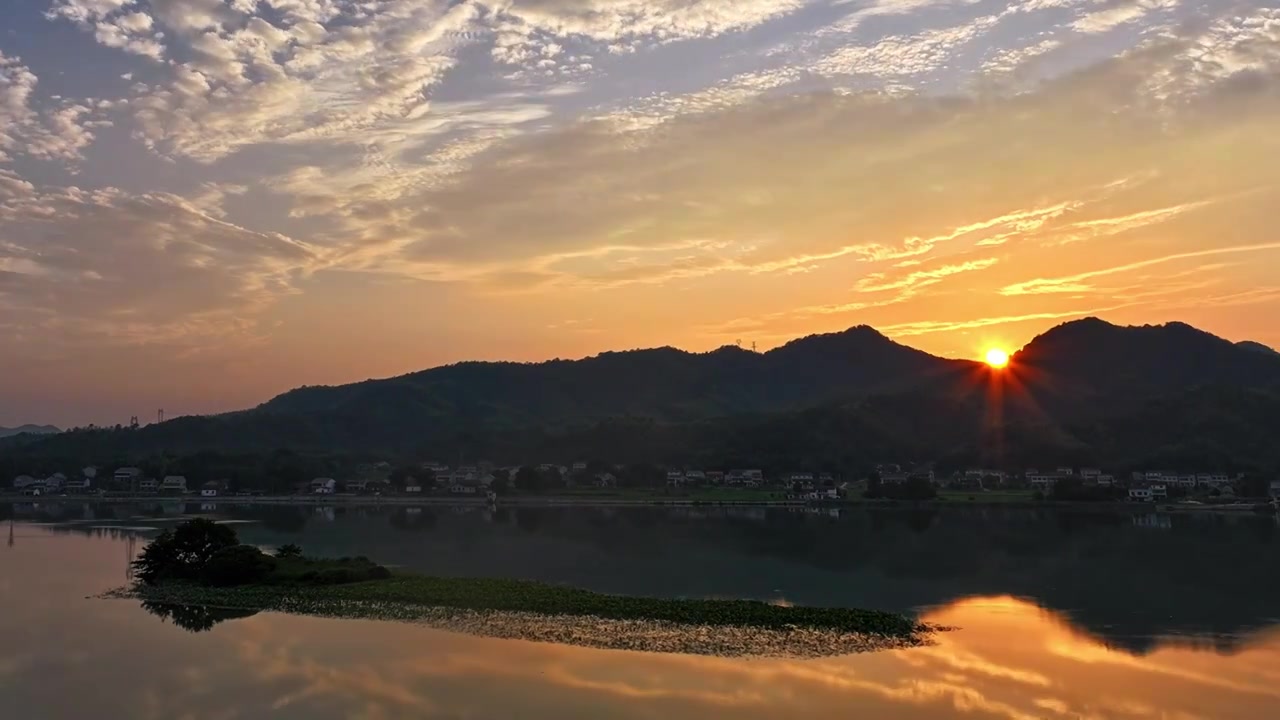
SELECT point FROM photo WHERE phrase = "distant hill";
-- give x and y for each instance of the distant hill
(664, 383)
(31, 429)
(1257, 347)
(1083, 392)
(1087, 367)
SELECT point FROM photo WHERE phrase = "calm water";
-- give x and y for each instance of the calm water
(1058, 616)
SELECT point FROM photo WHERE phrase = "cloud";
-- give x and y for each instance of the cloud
(110, 266)
(114, 23)
(1119, 13)
(920, 278)
(925, 327)
(527, 30)
(901, 56)
(52, 133)
(1076, 283)
(303, 72)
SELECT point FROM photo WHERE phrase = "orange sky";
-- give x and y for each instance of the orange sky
(217, 208)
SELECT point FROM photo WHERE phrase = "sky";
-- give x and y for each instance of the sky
(204, 203)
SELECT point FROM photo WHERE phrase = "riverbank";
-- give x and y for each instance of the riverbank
(974, 500)
(388, 598)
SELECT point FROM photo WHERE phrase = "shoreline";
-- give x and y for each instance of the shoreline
(622, 501)
(526, 610)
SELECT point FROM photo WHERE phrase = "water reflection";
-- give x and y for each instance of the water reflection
(194, 618)
(1009, 659)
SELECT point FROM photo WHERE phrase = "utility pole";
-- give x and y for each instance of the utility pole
(160, 415)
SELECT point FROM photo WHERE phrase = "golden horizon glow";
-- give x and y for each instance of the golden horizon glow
(997, 358)
(466, 169)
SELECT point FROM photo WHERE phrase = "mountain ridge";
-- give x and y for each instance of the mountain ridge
(1086, 391)
(29, 428)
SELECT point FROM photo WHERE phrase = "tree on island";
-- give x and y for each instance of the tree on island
(181, 553)
(529, 479)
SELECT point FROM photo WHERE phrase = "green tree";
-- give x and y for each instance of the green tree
(289, 550)
(181, 553)
(237, 565)
(529, 479)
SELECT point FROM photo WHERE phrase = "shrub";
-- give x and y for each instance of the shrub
(237, 565)
(181, 553)
(289, 551)
(336, 576)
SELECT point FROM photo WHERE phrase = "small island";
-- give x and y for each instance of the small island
(201, 564)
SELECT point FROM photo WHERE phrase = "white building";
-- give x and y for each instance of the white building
(174, 484)
(324, 486)
(210, 489)
(126, 475)
(1159, 491)
(1140, 494)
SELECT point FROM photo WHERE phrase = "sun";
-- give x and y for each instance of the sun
(997, 358)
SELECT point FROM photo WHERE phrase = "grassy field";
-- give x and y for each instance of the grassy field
(398, 597)
(994, 496)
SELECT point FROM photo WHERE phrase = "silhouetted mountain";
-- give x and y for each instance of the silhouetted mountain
(1256, 347)
(1083, 392)
(665, 383)
(32, 429)
(1089, 366)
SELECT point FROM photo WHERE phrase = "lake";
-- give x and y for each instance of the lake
(1055, 615)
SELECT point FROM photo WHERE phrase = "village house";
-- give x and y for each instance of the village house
(211, 489)
(35, 489)
(1159, 491)
(148, 485)
(464, 487)
(79, 485)
(695, 477)
(125, 476)
(605, 480)
(1090, 474)
(895, 477)
(323, 486)
(23, 481)
(923, 472)
(1140, 494)
(803, 482)
(675, 478)
(1042, 481)
(715, 477)
(1105, 480)
(1275, 490)
(174, 484)
(412, 487)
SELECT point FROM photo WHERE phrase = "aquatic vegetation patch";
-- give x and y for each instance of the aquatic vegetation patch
(202, 567)
(405, 594)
